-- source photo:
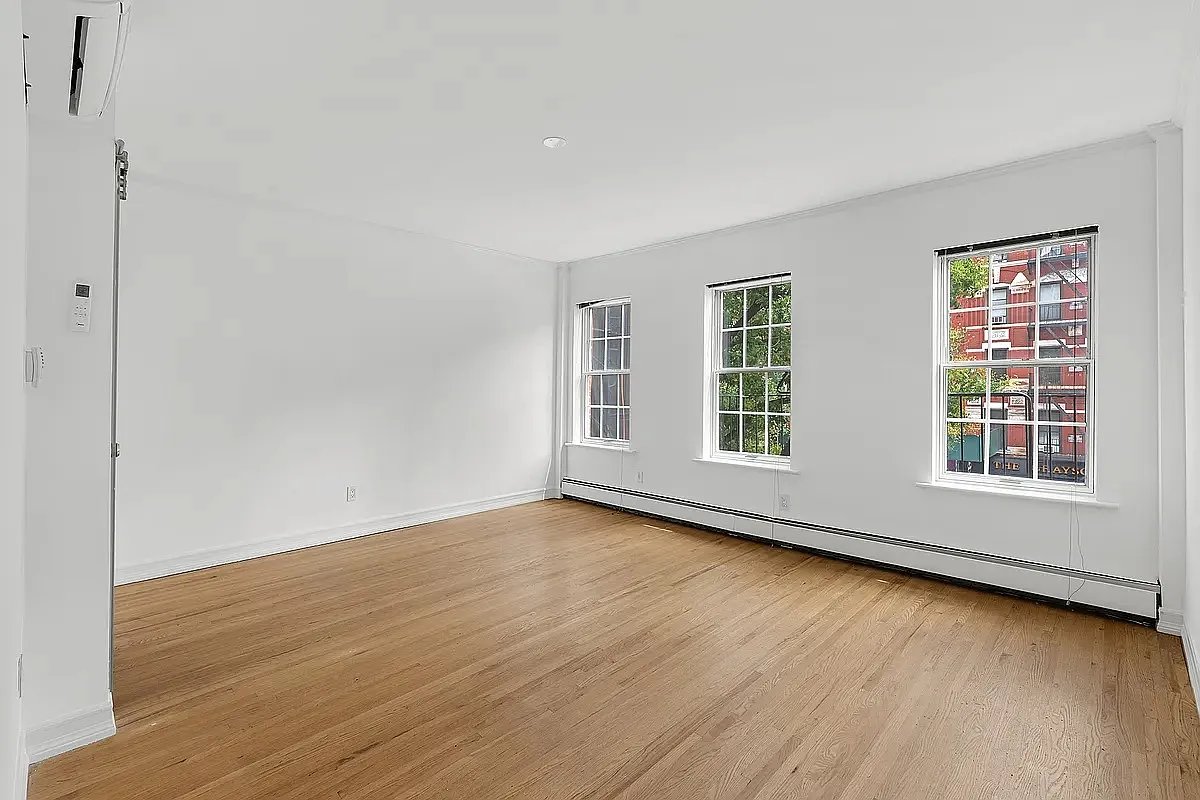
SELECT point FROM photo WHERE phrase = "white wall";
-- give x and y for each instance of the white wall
(68, 573)
(12, 391)
(864, 294)
(270, 357)
(1191, 255)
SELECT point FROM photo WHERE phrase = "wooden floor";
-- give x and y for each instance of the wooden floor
(559, 650)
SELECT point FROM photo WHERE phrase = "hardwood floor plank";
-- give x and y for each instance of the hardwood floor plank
(560, 650)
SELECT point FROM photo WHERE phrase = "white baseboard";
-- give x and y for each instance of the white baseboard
(1170, 621)
(21, 779)
(69, 732)
(201, 559)
(1192, 657)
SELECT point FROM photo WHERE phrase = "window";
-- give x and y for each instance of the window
(999, 300)
(1049, 295)
(605, 385)
(752, 375)
(1017, 413)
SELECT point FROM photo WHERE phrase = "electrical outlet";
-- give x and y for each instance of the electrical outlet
(641, 477)
(351, 494)
(785, 502)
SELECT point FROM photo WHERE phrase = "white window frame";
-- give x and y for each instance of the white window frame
(1074, 363)
(713, 310)
(583, 339)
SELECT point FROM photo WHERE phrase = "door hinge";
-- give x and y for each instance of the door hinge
(122, 170)
(115, 452)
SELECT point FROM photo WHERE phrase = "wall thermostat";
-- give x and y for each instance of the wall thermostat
(81, 311)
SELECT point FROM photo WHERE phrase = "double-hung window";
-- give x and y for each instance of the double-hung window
(1016, 367)
(751, 386)
(604, 388)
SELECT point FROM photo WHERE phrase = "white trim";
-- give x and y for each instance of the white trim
(1057, 496)
(1170, 621)
(762, 462)
(1169, 287)
(71, 731)
(21, 776)
(600, 445)
(560, 427)
(201, 559)
(1192, 657)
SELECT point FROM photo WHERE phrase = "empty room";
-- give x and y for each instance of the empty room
(558, 399)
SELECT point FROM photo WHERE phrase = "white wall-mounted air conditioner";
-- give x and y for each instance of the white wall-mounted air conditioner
(100, 31)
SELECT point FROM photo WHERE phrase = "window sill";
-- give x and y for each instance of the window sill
(618, 448)
(773, 466)
(1025, 494)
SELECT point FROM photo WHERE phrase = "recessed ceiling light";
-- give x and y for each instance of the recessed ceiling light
(554, 142)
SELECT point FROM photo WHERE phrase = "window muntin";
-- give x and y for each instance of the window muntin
(752, 374)
(604, 386)
(1015, 364)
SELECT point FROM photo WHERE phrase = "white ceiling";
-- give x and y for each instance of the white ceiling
(681, 115)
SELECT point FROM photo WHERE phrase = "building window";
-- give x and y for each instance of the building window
(1018, 413)
(751, 369)
(605, 380)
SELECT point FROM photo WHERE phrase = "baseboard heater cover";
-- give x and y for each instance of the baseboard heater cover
(1132, 599)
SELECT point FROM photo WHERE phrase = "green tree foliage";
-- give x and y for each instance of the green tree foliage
(968, 278)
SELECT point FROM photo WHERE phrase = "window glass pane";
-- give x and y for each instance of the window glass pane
(1009, 449)
(1062, 393)
(609, 393)
(731, 349)
(597, 319)
(625, 352)
(594, 423)
(593, 383)
(964, 447)
(1069, 336)
(754, 433)
(627, 314)
(966, 388)
(966, 335)
(1065, 265)
(758, 301)
(754, 391)
(1014, 335)
(729, 390)
(779, 435)
(781, 303)
(598, 354)
(756, 347)
(1011, 396)
(968, 281)
(1062, 454)
(608, 423)
(1016, 270)
(616, 322)
(622, 390)
(623, 424)
(779, 392)
(613, 346)
(781, 346)
(732, 307)
(729, 433)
